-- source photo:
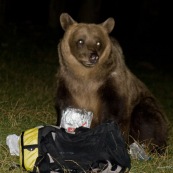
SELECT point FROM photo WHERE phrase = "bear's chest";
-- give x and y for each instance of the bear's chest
(85, 96)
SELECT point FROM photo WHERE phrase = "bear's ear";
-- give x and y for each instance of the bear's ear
(66, 20)
(108, 24)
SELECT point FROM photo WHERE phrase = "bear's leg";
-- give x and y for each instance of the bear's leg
(149, 125)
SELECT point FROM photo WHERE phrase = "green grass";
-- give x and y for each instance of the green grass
(27, 88)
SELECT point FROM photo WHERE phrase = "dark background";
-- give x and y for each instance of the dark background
(143, 27)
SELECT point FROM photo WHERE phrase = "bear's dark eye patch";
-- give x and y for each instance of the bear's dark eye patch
(80, 43)
(98, 43)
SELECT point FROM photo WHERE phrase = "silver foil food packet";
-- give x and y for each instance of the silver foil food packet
(73, 118)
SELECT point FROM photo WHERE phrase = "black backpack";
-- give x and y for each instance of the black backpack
(101, 149)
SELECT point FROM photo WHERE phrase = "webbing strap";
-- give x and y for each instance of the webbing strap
(22, 145)
(51, 149)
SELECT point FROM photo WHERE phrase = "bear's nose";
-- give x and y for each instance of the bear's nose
(93, 57)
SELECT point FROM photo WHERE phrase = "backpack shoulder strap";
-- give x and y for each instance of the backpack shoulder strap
(49, 146)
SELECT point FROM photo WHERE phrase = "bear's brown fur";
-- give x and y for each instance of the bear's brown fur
(93, 75)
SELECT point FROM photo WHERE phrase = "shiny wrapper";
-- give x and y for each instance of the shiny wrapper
(73, 118)
(138, 152)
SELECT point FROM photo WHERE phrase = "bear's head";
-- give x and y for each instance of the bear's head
(88, 44)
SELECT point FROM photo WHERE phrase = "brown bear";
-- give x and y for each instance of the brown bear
(92, 75)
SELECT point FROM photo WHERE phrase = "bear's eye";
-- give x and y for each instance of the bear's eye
(80, 42)
(98, 43)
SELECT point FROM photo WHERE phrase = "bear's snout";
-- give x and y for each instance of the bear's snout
(93, 57)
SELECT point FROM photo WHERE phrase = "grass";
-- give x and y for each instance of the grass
(27, 88)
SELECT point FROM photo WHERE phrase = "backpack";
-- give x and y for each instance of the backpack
(47, 149)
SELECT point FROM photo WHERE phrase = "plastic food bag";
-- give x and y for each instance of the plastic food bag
(73, 118)
(12, 142)
(137, 152)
